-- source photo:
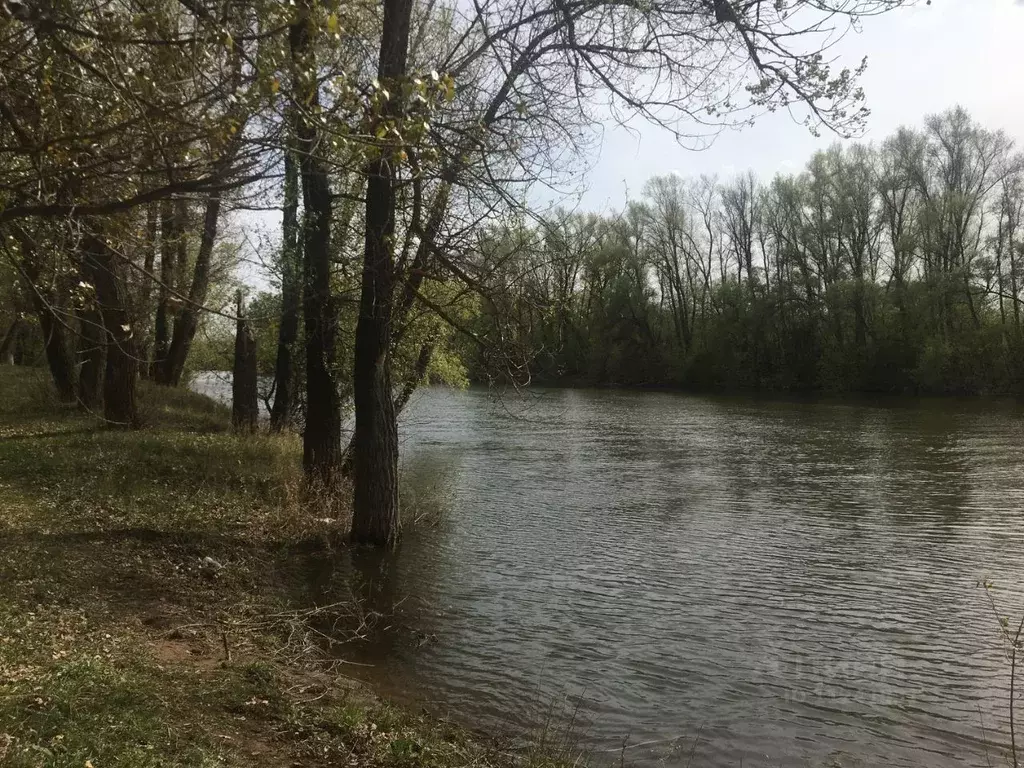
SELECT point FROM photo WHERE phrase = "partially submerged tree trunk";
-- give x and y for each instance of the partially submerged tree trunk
(321, 439)
(188, 316)
(291, 296)
(375, 511)
(91, 351)
(244, 396)
(119, 406)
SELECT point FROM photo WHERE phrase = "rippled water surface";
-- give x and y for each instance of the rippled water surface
(797, 582)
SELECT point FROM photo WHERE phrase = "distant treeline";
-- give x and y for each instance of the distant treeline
(892, 268)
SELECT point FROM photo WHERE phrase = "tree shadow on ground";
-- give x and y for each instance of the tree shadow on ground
(157, 577)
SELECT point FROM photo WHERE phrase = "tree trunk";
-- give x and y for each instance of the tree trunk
(91, 350)
(7, 344)
(58, 356)
(999, 285)
(145, 308)
(245, 408)
(321, 439)
(291, 296)
(119, 406)
(187, 322)
(375, 512)
(169, 234)
(1013, 291)
(182, 227)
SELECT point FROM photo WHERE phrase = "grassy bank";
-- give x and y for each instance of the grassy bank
(120, 647)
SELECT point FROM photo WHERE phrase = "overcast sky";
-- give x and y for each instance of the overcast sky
(921, 60)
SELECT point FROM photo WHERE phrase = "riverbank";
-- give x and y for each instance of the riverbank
(152, 611)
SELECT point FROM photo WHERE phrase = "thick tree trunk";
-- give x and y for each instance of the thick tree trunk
(321, 444)
(375, 511)
(91, 351)
(375, 517)
(245, 408)
(409, 386)
(119, 406)
(291, 296)
(321, 439)
(187, 322)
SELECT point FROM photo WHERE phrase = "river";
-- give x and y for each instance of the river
(712, 581)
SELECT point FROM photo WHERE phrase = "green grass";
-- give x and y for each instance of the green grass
(116, 649)
(184, 471)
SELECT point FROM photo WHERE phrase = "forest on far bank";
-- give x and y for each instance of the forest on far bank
(891, 267)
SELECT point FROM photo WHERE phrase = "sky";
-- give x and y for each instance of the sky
(921, 60)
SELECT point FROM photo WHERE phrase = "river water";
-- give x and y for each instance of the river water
(712, 581)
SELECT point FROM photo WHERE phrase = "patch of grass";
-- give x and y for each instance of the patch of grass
(185, 471)
(118, 647)
(95, 712)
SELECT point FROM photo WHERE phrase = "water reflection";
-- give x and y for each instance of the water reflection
(796, 581)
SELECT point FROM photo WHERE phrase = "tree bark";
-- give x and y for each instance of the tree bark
(245, 408)
(187, 321)
(119, 406)
(91, 351)
(375, 510)
(321, 439)
(291, 296)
